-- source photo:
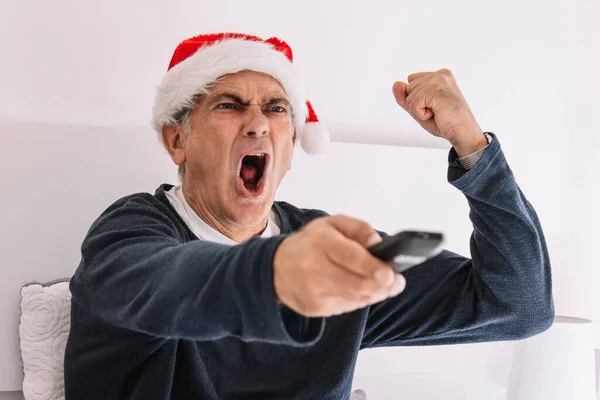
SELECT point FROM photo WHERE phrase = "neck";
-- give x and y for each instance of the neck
(232, 229)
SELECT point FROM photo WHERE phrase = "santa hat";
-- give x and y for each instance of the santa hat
(199, 61)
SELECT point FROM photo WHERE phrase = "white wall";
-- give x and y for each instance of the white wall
(528, 69)
(584, 165)
(98, 63)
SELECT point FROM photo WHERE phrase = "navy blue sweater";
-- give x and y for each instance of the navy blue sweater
(159, 314)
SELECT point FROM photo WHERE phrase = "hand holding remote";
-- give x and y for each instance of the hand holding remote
(325, 269)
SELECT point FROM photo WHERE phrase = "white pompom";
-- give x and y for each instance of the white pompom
(315, 138)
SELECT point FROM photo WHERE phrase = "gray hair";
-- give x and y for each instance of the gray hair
(184, 117)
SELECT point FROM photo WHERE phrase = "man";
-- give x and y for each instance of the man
(211, 290)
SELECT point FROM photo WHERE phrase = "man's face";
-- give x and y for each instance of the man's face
(239, 147)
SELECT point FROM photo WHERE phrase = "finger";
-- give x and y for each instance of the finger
(416, 75)
(350, 255)
(342, 283)
(418, 104)
(366, 291)
(376, 296)
(355, 229)
(415, 84)
(348, 249)
(398, 286)
(399, 90)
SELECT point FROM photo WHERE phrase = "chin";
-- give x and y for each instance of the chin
(253, 214)
(251, 208)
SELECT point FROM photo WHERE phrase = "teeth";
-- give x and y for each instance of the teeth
(257, 154)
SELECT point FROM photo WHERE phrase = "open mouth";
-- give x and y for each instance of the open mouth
(252, 170)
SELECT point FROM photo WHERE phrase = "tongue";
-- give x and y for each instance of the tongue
(248, 173)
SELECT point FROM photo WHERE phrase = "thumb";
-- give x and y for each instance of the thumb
(355, 229)
(399, 90)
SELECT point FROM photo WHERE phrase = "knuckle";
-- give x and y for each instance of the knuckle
(439, 83)
(364, 226)
(389, 280)
(447, 80)
(445, 72)
(447, 92)
(318, 223)
(363, 287)
(338, 217)
(347, 256)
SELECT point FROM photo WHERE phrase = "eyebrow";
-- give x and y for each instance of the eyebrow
(278, 100)
(216, 98)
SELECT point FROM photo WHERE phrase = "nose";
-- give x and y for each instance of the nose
(257, 124)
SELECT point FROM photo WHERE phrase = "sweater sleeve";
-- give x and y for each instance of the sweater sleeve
(503, 292)
(138, 272)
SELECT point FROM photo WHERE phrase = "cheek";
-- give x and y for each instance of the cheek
(287, 152)
(208, 154)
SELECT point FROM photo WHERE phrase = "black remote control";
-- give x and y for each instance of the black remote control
(407, 249)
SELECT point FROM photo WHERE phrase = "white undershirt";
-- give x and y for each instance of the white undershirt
(204, 231)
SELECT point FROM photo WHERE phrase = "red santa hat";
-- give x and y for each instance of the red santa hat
(199, 61)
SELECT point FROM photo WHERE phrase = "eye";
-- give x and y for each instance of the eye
(227, 106)
(277, 109)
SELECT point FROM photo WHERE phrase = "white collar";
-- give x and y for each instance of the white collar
(204, 231)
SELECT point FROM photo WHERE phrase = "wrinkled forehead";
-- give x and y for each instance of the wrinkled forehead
(248, 84)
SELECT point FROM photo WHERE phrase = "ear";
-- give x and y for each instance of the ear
(174, 139)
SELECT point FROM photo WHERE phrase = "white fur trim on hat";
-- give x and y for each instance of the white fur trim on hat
(315, 138)
(193, 75)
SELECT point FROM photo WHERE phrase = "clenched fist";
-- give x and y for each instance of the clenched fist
(324, 269)
(434, 100)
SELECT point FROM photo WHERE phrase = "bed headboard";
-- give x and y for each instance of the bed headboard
(58, 179)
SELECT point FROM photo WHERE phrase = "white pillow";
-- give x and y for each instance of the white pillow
(43, 330)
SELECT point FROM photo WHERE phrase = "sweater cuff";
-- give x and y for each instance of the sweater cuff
(290, 327)
(484, 172)
(456, 169)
